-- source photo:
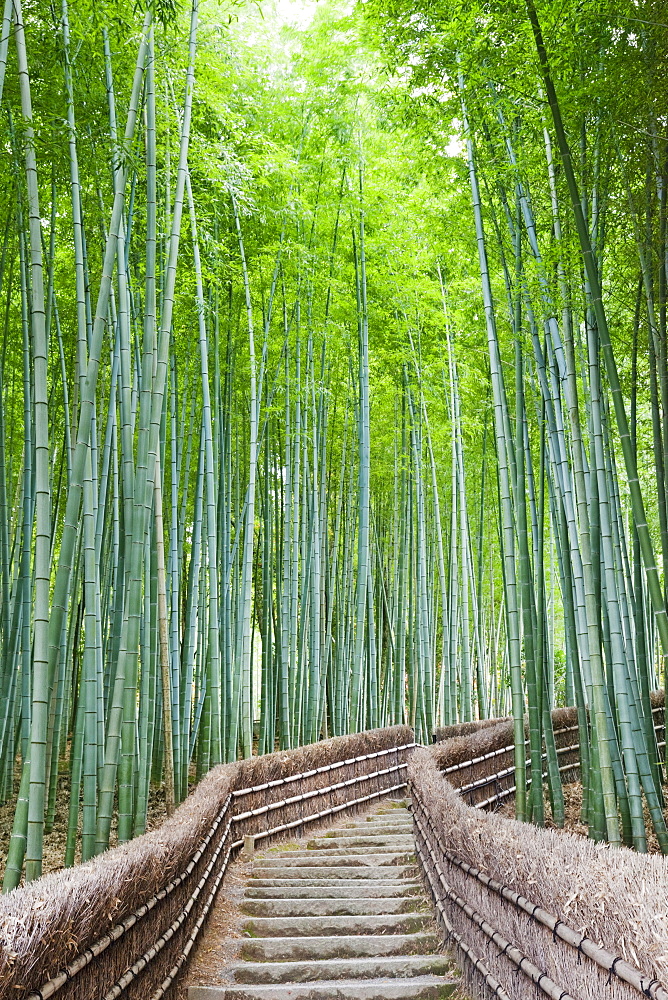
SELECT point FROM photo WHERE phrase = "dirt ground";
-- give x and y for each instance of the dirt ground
(220, 937)
(573, 822)
(55, 841)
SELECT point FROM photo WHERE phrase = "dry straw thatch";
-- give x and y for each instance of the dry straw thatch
(464, 728)
(615, 897)
(47, 924)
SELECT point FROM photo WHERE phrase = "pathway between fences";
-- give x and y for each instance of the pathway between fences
(344, 916)
(528, 912)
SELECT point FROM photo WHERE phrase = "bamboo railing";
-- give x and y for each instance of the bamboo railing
(141, 954)
(519, 933)
(516, 940)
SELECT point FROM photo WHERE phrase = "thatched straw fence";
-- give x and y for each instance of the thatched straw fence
(124, 924)
(534, 912)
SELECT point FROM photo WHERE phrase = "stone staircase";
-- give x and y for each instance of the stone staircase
(345, 918)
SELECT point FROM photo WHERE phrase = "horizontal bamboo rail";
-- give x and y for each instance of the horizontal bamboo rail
(151, 945)
(53, 985)
(435, 859)
(326, 769)
(218, 842)
(524, 965)
(612, 964)
(505, 774)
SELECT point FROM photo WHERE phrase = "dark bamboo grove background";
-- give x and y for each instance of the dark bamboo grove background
(334, 385)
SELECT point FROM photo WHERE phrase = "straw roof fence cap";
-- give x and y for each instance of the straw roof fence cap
(613, 895)
(45, 924)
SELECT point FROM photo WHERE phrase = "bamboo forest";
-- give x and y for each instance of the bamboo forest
(333, 396)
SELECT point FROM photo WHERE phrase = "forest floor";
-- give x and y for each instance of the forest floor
(55, 841)
(573, 810)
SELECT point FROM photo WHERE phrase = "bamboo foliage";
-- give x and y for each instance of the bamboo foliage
(547, 164)
(273, 465)
(155, 609)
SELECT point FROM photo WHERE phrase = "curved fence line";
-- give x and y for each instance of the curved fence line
(514, 947)
(429, 845)
(238, 822)
(508, 772)
(54, 984)
(613, 965)
(140, 955)
(497, 928)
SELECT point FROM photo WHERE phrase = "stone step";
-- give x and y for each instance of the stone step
(339, 852)
(262, 870)
(415, 988)
(393, 966)
(334, 848)
(330, 907)
(393, 816)
(377, 823)
(383, 813)
(301, 949)
(347, 852)
(341, 916)
(388, 876)
(405, 835)
(388, 816)
(374, 828)
(372, 832)
(297, 890)
(399, 843)
(327, 925)
(398, 819)
(313, 858)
